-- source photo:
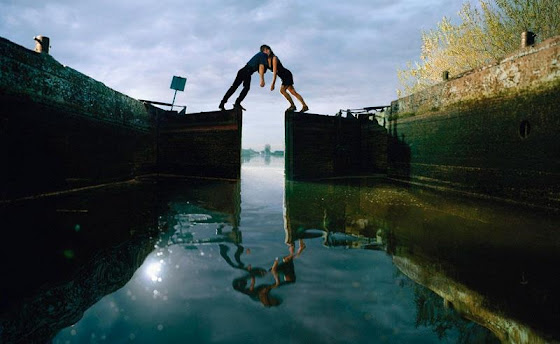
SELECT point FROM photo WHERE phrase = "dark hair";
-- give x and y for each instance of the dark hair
(264, 46)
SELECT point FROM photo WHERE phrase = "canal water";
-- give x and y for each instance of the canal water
(275, 261)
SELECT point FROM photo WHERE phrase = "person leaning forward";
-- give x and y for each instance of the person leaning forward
(287, 77)
(256, 63)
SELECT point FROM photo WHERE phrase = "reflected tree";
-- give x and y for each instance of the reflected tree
(432, 312)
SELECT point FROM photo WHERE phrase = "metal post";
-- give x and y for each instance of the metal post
(177, 84)
(173, 102)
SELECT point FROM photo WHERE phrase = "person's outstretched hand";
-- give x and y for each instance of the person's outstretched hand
(262, 83)
(272, 87)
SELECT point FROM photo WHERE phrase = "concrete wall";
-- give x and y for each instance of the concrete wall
(42, 79)
(60, 129)
(206, 144)
(319, 146)
(492, 132)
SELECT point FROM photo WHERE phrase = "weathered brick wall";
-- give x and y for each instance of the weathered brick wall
(491, 132)
(532, 69)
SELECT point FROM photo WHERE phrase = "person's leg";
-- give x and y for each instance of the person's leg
(238, 80)
(301, 247)
(245, 90)
(288, 98)
(299, 97)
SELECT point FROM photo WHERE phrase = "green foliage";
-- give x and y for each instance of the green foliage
(485, 34)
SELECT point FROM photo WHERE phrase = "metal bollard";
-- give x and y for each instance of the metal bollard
(42, 44)
(527, 39)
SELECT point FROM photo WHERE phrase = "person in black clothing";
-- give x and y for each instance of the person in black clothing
(256, 63)
(287, 78)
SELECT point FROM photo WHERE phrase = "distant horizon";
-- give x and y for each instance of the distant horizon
(272, 147)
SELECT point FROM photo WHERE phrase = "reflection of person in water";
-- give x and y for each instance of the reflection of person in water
(283, 273)
(257, 292)
(237, 256)
(285, 270)
(260, 292)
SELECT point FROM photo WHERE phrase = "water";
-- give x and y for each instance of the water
(357, 261)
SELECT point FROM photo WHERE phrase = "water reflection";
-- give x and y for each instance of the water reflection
(282, 273)
(69, 251)
(344, 261)
(489, 263)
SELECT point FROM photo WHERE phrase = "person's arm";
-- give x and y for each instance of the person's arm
(274, 71)
(261, 73)
(252, 285)
(274, 270)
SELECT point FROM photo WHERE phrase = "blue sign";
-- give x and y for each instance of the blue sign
(178, 83)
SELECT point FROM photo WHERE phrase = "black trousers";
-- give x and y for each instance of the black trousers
(243, 76)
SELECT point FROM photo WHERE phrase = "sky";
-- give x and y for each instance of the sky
(343, 54)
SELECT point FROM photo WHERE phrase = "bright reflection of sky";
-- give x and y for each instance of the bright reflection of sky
(184, 293)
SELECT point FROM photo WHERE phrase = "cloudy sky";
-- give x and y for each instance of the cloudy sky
(343, 54)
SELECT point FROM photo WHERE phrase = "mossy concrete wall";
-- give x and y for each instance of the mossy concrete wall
(60, 129)
(492, 132)
(43, 80)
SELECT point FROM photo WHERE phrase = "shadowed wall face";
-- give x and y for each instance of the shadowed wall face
(206, 144)
(60, 129)
(47, 149)
(319, 146)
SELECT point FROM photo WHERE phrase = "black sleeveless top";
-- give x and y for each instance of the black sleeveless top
(280, 69)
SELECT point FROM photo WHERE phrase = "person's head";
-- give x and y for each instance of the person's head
(268, 300)
(266, 49)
